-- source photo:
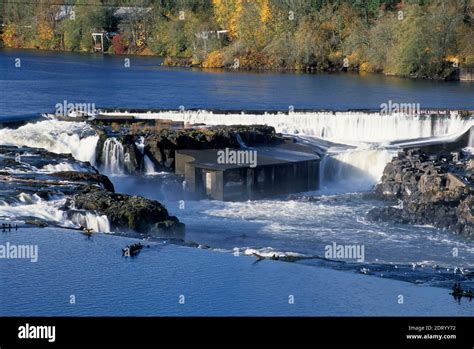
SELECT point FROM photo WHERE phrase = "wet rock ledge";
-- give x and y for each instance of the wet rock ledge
(132, 213)
(160, 144)
(38, 174)
(431, 188)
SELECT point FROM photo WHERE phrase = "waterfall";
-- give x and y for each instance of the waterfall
(113, 156)
(64, 166)
(141, 144)
(470, 144)
(345, 127)
(92, 221)
(346, 167)
(149, 166)
(26, 206)
(60, 137)
(354, 169)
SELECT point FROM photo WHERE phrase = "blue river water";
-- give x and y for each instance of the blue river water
(45, 79)
(167, 280)
(215, 282)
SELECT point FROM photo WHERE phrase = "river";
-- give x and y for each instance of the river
(416, 255)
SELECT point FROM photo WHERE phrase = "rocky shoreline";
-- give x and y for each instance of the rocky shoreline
(431, 185)
(88, 199)
(430, 188)
(31, 176)
(133, 213)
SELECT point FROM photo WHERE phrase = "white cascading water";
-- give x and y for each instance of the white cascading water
(27, 205)
(353, 169)
(149, 166)
(64, 166)
(113, 156)
(470, 144)
(349, 169)
(354, 128)
(60, 137)
(141, 144)
(92, 221)
(33, 206)
(345, 127)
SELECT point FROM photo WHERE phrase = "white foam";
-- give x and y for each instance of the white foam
(269, 252)
(470, 144)
(28, 205)
(149, 166)
(354, 169)
(60, 137)
(92, 221)
(63, 166)
(113, 157)
(345, 127)
(33, 206)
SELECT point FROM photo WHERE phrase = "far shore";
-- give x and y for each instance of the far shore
(176, 62)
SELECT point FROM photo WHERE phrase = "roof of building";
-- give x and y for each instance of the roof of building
(207, 158)
(126, 12)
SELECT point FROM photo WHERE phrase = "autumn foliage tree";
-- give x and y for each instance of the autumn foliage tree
(416, 38)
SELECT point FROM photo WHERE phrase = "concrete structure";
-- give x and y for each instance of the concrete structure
(278, 171)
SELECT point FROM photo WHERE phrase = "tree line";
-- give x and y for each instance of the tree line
(415, 38)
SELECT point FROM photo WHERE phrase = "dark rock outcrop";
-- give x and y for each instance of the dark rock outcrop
(133, 157)
(128, 212)
(86, 177)
(434, 189)
(160, 145)
(85, 192)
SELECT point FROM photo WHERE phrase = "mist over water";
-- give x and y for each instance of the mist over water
(343, 127)
(306, 223)
(303, 223)
(61, 137)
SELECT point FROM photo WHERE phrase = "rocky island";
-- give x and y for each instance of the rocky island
(81, 198)
(159, 145)
(76, 195)
(433, 187)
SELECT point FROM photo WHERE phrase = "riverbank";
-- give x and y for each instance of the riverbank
(188, 63)
(411, 40)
